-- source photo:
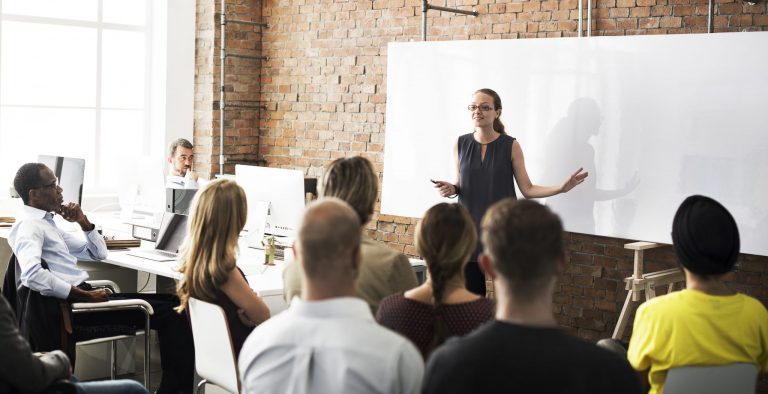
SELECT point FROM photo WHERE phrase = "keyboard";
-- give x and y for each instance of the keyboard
(154, 254)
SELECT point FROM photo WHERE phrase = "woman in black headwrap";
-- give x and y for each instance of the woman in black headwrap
(707, 323)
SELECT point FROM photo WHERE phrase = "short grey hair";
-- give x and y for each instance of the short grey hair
(181, 142)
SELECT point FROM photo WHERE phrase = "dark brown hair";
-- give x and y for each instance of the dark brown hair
(524, 240)
(497, 125)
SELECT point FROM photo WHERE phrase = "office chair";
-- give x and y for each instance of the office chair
(116, 305)
(214, 354)
(739, 378)
(34, 330)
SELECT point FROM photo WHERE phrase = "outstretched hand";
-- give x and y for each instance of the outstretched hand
(575, 179)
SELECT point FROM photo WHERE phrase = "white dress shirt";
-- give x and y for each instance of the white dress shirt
(330, 346)
(35, 236)
(181, 182)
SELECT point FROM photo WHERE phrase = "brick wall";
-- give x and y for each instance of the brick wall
(324, 85)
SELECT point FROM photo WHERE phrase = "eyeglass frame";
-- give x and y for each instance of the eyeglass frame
(487, 107)
(53, 185)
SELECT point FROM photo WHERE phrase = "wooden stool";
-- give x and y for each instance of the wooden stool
(640, 282)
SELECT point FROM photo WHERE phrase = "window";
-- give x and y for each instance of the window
(75, 81)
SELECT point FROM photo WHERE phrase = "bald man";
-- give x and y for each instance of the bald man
(328, 341)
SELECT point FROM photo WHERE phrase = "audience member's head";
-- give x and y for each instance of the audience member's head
(209, 252)
(524, 242)
(180, 157)
(445, 239)
(328, 245)
(354, 181)
(705, 237)
(38, 187)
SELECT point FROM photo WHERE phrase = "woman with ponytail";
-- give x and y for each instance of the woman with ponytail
(441, 307)
(487, 160)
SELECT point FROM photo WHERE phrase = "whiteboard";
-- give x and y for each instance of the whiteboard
(652, 118)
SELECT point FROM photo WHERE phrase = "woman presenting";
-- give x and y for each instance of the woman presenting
(487, 160)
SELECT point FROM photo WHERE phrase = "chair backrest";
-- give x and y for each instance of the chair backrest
(729, 378)
(214, 353)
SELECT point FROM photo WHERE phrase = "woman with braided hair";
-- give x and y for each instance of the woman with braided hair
(441, 307)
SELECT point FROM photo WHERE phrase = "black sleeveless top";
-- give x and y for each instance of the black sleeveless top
(237, 329)
(483, 182)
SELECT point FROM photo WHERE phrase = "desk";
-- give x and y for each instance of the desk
(266, 281)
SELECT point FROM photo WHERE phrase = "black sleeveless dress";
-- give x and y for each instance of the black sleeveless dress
(237, 329)
(483, 182)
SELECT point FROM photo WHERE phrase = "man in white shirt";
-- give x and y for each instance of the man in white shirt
(47, 262)
(328, 342)
(180, 161)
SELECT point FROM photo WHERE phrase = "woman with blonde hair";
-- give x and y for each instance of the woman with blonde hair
(441, 307)
(209, 256)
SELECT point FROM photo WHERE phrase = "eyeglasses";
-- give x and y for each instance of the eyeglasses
(483, 107)
(52, 185)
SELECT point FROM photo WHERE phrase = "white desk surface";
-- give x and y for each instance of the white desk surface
(265, 280)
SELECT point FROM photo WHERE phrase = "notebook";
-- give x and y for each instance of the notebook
(173, 230)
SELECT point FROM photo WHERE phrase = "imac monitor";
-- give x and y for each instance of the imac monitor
(173, 230)
(281, 189)
(70, 172)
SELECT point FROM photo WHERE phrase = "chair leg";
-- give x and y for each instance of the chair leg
(147, 337)
(200, 385)
(113, 359)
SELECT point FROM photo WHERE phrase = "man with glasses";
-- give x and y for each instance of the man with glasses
(46, 264)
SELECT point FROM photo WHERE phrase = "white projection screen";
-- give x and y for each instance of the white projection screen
(652, 118)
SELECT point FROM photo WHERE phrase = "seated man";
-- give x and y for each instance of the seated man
(524, 351)
(29, 372)
(328, 342)
(708, 323)
(47, 259)
(382, 270)
(180, 161)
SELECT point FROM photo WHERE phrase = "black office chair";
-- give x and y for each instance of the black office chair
(37, 314)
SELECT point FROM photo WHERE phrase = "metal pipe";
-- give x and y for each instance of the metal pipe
(250, 23)
(247, 56)
(454, 10)
(710, 12)
(589, 18)
(425, 6)
(424, 9)
(580, 28)
(223, 56)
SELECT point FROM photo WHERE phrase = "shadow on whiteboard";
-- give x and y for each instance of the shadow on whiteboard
(569, 144)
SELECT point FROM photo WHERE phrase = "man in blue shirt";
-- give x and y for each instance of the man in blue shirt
(47, 261)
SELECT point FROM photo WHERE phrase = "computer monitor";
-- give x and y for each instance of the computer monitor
(172, 231)
(70, 172)
(283, 189)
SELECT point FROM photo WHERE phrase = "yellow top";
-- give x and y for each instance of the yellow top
(689, 327)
